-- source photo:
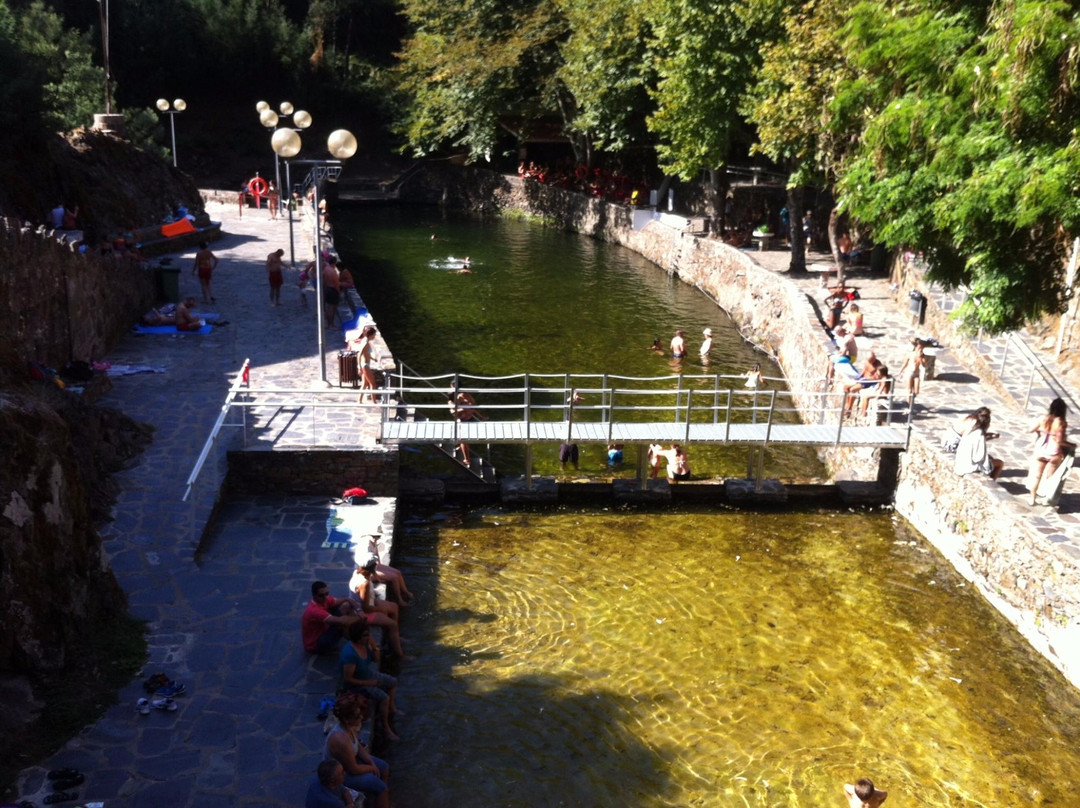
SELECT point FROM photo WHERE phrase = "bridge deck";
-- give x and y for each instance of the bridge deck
(557, 432)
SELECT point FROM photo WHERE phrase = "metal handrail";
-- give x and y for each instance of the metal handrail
(238, 387)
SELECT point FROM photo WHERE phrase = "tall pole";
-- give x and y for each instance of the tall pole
(172, 126)
(319, 280)
(277, 179)
(289, 207)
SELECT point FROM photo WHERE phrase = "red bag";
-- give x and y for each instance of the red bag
(354, 496)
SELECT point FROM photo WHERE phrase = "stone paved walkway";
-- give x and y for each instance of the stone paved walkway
(245, 733)
(958, 389)
(228, 626)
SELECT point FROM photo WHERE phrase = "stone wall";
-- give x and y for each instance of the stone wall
(57, 305)
(1033, 581)
(315, 472)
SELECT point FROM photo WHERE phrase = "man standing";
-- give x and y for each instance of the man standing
(331, 288)
(678, 345)
(276, 276)
(324, 619)
(205, 264)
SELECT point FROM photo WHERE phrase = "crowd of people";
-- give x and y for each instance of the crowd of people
(344, 627)
(598, 183)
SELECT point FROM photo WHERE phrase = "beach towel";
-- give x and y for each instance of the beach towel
(177, 228)
(351, 524)
(169, 329)
(1050, 488)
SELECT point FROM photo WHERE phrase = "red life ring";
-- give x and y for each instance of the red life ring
(258, 186)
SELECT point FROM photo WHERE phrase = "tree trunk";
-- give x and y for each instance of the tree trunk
(795, 233)
(834, 223)
(716, 196)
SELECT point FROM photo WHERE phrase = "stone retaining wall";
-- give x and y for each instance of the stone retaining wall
(1032, 581)
(316, 472)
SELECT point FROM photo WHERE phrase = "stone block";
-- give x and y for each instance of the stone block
(743, 490)
(632, 491)
(542, 490)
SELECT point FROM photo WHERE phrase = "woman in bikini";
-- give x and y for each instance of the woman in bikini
(912, 369)
(364, 359)
(1050, 444)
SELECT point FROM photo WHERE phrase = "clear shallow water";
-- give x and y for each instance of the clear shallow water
(674, 658)
(703, 658)
(539, 301)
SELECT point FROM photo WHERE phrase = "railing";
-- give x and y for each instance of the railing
(238, 390)
(684, 399)
(1035, 366)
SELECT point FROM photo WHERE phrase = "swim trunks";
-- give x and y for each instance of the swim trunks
(331, 295)
(276, 279)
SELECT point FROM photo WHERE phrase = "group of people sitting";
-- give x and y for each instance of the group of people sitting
(599, 183)
(363, 689)
(181, 314)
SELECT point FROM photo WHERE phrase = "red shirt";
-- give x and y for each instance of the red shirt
(313, 621)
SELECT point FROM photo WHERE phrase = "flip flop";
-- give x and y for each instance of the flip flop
(60, 796)
(167, 705)
(62, 774)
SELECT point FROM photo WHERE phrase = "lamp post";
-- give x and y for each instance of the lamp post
(342, 145)
(178, 106)
(271, 119)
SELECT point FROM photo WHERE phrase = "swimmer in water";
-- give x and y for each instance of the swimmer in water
(657, 347)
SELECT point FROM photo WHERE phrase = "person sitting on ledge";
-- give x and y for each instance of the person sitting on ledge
(324, 620)
(327, 789)
(971, 453)
(376, 611)
(185, 316)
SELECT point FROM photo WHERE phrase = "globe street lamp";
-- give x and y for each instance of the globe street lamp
(342, 145)
(270, 119)
(179, 105)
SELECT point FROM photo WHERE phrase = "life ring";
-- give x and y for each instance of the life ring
(581, 172)
(258, 186)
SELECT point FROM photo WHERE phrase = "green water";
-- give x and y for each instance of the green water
(541, 301)
(673, 658)
(614, 658)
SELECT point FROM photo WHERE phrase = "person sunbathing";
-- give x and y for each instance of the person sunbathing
(185, 317)
(156, 317)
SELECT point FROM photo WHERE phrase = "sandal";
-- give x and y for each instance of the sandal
(60, 796)
(62, 774)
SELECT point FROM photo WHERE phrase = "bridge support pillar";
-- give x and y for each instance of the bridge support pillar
(888, 472)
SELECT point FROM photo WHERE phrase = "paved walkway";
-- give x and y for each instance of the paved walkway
(957, 390)
(226, 624)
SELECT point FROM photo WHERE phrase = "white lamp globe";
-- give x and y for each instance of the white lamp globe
(285, 143)
(342, 144)
(162, 104)
(262, 105)
(268, 118)
(302, 119)
(180, 104)
(286, 108)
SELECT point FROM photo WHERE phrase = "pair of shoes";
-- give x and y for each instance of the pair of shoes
(63, 774)
(166, 705)
(143, 706)
(60, 796)
(68, 782)
(170, 690)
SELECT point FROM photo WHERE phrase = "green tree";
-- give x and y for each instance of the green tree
(607, 70)
(968, 149)
(466, 68)
(706, 52)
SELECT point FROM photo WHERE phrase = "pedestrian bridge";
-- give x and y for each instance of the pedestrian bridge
(594, 408)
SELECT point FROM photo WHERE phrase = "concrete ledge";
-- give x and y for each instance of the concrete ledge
(543, 490)
(631, 491)
(772, 491)
(428, 491)
(856, 492)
